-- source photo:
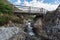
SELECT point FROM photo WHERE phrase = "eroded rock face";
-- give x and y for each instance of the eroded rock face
(20, 36)
(48, 26)
(12, 33)
(6, 33)
(39, 28)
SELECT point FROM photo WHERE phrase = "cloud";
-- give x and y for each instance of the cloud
(18, 2)
(56, 1)
(9, 0)
(39, 3)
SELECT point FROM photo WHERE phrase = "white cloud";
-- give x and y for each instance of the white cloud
(56, 1)
(8, 0)
(39, 3)
(18, 2)
(42, 0)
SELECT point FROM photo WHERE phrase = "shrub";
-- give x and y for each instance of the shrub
(6, 13)
(4, 19)
(5, 7)
(15, 19)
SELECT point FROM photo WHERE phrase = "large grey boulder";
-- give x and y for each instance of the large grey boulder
(48, 26)
(6, 33)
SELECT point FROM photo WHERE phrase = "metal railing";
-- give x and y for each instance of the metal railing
(28, 9)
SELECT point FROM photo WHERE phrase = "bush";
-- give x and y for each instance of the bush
(6, 13)
(15, 19)
(4, 19)
(5, 7)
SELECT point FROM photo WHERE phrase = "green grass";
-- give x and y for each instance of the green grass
(6, 13)
(4, 19)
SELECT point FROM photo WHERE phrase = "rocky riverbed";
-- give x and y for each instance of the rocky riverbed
(48, 26)
(43, 27)
(12, 33)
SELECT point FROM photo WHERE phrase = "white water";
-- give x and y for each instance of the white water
(29, 29)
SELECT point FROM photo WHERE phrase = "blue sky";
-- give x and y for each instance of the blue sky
(45, 1)
(47, 4)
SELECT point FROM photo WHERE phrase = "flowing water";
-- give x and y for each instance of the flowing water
(31, 34)
(29, 29)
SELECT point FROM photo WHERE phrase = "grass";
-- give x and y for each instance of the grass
(4, 19)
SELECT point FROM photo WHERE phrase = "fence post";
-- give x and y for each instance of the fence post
(29, 9)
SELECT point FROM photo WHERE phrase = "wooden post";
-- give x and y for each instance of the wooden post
(29, 9)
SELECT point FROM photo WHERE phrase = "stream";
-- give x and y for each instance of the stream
(31, 34)
(29, 29)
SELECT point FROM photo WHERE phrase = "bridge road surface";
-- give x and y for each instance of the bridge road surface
(29, 10)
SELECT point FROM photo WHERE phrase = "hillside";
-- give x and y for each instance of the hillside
(13, 6)
(8, 6)
(6, 13)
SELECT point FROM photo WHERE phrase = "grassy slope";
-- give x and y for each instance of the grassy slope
(6, 16)
(13, 7)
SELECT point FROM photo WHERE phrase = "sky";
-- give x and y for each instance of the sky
(46, 4)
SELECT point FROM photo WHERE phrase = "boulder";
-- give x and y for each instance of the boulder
(48, 26)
